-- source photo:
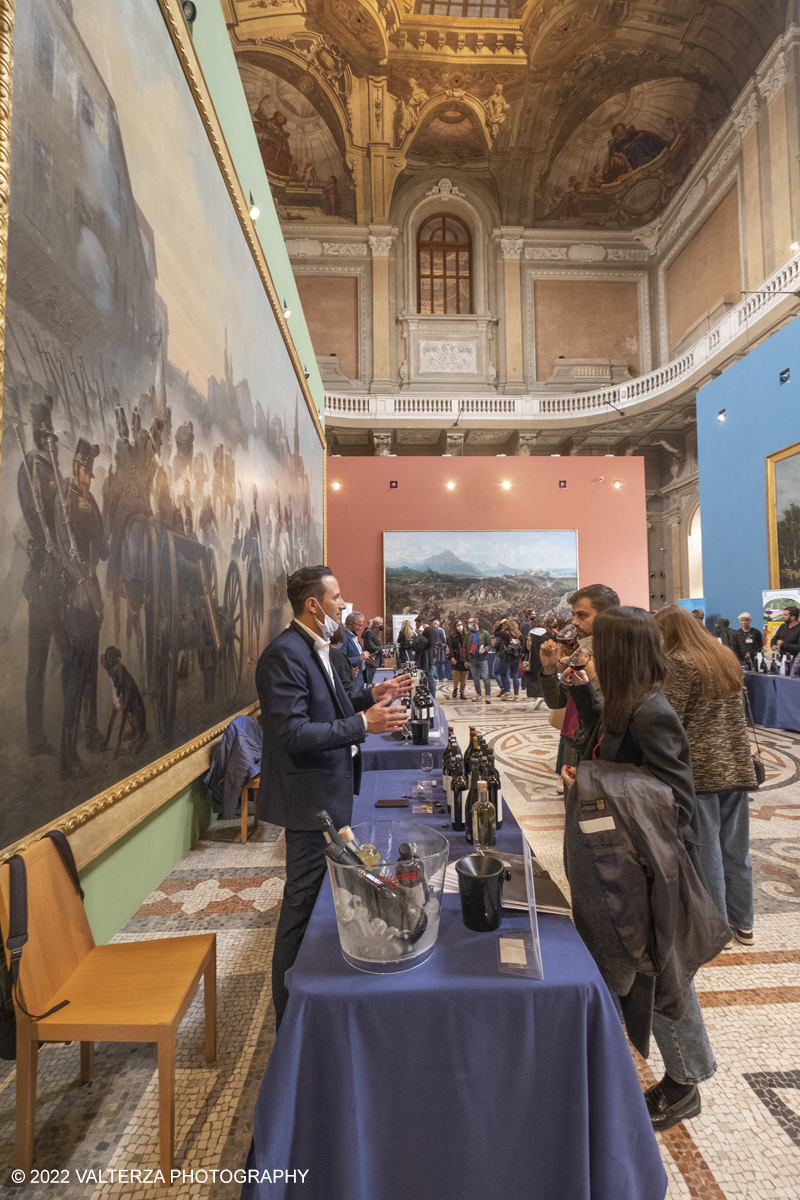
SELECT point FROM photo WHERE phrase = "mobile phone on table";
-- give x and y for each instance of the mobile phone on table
(391, 804)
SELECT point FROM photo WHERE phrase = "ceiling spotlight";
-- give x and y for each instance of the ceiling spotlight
(287, 312)
(336, 486)
(506, 484)
(721, 415)
(255, 211)
(617, 483)
(450, 485)
(795, 246)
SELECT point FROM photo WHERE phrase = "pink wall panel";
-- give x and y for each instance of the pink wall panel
(611, 522)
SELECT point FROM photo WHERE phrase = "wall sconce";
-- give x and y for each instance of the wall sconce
(506, 484)
(255, 211)
(617, 483)
(287, 312)
(721, 415)
(450, 485)
(336, 486)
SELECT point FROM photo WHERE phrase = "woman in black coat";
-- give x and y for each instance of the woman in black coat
(638, 725)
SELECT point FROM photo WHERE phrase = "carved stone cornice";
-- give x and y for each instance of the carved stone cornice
(511, 248)
(774, 79)
(381, 245)
(748, 112)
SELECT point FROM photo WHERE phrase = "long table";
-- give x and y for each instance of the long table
(775, 700)
(382, 752)
(451, 1080)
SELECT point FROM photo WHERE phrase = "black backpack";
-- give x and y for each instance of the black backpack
(18, 936)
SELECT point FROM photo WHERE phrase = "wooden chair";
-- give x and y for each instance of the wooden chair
(131, 992)
(252, 784)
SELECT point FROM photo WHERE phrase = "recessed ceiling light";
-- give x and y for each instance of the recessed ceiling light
(795, 246)
(617, 483)
(450, 485)
(336, 486)
(506, 484)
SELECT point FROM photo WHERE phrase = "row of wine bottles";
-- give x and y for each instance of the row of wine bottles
(760, 664)
(472, 785)
(396, 893)
(419, 702)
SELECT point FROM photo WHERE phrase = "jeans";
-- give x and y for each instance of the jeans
(430, 675)
(507, 672)
(480, 671)
(441, 670)
(722, 824)
(684, 1044)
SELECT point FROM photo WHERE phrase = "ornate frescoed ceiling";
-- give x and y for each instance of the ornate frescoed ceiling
(584, 112)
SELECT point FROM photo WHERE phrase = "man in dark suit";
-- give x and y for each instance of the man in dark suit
(311, 760)
(351, 646)
(372, 644)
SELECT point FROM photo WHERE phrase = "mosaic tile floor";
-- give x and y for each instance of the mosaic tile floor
(745, 1144)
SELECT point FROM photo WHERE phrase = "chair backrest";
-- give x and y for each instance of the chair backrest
(59, 937)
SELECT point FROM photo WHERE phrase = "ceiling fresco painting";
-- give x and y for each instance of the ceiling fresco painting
(584, 113)
(306, 171)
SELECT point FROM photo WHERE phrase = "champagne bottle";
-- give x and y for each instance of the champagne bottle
(483, 817)
(458, 798)
(337, 849)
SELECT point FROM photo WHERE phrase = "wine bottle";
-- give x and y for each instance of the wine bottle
(472, 795)
(411, 875)
(495, 792)
(366, 852)
(337, 849)
(458, 798)
(483, 817)
(472, 748)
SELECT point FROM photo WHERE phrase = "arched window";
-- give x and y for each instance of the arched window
(444, 266)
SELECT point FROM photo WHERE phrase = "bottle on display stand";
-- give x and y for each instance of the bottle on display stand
(483, 820)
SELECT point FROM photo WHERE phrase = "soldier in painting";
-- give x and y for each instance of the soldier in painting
(82, 541)
(38, 489)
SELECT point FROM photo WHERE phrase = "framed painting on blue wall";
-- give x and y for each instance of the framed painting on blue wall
(783, 516)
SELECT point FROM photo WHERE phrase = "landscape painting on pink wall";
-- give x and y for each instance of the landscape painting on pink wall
(622, 165)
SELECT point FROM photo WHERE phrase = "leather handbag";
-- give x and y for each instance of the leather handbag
(758, 762)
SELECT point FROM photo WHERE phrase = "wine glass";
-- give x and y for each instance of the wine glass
(427, 765)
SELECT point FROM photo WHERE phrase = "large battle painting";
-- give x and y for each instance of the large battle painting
(161, 472)
(488, 574)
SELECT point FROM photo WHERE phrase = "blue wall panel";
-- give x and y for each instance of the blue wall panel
(762, 415)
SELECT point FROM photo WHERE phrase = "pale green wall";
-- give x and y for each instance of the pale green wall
(116, 883)
(217, 59)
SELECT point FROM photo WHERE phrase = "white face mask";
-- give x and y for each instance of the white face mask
(327, 630)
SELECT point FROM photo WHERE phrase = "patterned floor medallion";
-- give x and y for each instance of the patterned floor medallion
(745, 1145)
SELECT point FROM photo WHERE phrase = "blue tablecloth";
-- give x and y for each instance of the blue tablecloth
(775, 700)
(451, 1081)
(382, 752)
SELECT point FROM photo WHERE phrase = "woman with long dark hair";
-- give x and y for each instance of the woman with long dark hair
(455, 652)
(509, 649)
(638, 725)
(704, 686)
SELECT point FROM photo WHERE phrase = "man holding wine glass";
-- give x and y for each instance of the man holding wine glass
(310, 759)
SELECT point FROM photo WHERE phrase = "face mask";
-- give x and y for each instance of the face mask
(329, 628)
(459, 628)
(473, 627)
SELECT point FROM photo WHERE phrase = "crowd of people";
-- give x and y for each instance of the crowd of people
(653, 746)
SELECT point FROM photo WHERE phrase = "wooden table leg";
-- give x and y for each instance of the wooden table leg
(245, 791)
(87, 1061)
(27, 1061)
(166, 1102)
(210, 998)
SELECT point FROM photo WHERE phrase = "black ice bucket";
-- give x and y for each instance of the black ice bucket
(419, 733)
(480, 885)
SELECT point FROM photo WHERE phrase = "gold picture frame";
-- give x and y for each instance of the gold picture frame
(773, 554)
(92, 826)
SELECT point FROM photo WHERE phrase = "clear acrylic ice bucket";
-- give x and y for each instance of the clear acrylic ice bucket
(388, 916)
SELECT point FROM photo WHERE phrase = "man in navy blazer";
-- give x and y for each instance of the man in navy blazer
(310, 758)
(351, 646)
